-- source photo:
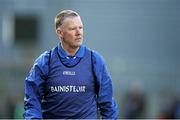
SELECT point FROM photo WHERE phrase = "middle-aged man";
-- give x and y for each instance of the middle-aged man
(70, 81)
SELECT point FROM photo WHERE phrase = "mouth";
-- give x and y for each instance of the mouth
(78, 39)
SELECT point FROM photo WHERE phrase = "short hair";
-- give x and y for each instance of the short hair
(59, 19)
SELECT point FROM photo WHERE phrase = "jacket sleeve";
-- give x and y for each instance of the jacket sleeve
(34, 89)
(105, 101)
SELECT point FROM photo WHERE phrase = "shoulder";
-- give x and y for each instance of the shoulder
(41, 62)
(42, 58)
(97, 58)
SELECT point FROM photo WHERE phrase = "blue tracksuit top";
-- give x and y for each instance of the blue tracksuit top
(64, 87)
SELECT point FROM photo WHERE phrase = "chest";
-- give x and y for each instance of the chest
(62, 78)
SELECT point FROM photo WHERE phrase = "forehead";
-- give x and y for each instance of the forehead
(72, 21)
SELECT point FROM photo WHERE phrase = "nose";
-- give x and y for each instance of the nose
(78, 31)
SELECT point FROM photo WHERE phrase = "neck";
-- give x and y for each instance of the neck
(70, 50)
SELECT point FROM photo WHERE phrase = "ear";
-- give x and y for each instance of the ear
(59, 32)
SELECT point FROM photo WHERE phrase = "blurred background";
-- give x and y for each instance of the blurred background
(139, 39)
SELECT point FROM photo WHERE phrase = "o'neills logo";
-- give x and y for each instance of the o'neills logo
(69, 88)
(69, 73)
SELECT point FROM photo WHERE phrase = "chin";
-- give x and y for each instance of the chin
(76, 46)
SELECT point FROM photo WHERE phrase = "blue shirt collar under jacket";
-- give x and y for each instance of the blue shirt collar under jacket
(64, 54)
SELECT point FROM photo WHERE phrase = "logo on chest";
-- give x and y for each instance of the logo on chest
(69, 73)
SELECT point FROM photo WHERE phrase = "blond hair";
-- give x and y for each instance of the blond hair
(59, 19)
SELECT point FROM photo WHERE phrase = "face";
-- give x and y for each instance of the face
(71, 32)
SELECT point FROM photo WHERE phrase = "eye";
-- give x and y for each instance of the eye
(81, 27)
(73, 28)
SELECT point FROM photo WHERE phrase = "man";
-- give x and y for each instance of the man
(70, 81)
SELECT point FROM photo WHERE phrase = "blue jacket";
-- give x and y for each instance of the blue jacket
(37, 77)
